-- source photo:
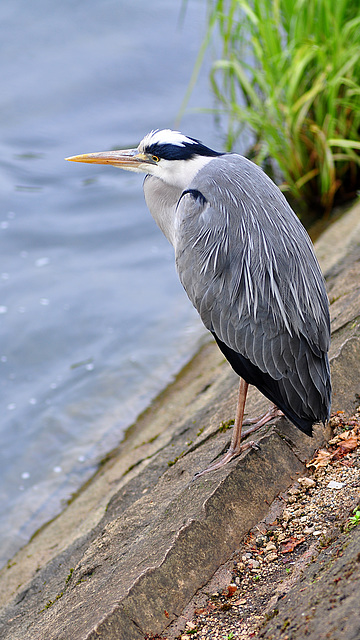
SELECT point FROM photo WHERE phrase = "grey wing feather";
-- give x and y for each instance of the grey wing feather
(248, 266)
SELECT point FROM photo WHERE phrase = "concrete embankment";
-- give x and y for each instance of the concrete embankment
(127, 555)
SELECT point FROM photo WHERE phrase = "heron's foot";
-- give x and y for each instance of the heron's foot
(229, 455)
(272, 413)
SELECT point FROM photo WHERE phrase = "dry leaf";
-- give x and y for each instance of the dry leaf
(208, 609)
(289, 545)
(232, 588)
(345, 435)
(321, 459)
(345, 447)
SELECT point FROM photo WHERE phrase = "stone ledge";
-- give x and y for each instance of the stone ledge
(134, 546)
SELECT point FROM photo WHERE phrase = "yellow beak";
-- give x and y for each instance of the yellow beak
(129, 159)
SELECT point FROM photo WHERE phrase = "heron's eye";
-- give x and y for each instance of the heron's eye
(155, 158)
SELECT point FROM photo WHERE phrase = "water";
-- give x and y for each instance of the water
(93, 320)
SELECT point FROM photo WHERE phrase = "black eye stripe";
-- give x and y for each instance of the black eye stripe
(177, 152)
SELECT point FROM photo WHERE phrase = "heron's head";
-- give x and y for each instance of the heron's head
(168, 155)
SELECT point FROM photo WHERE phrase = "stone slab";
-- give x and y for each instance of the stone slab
(133, 547)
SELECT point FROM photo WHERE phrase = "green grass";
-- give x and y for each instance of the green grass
(354, 520)
(290, 71)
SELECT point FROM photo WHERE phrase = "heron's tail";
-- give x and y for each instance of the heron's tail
(304, 404)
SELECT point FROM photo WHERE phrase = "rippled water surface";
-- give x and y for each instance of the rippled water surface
(93, 321)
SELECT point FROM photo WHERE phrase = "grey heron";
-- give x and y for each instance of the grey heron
(248, 266)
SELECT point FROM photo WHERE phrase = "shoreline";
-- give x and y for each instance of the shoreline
(136, 525)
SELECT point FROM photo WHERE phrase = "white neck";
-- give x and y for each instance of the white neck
(161, 200)
(163, 187)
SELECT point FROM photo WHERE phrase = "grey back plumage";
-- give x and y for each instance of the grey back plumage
(248, 266)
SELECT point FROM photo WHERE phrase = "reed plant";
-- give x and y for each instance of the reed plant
(290, 70)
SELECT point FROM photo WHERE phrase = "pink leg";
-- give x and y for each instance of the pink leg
(272, 413)
(236, 447)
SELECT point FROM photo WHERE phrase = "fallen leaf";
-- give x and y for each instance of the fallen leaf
(321, 459)
(345, 447)
(347, 463)
(208, 609)
(345, 435)
(210, 606)
(289, 545)
(232, 588)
